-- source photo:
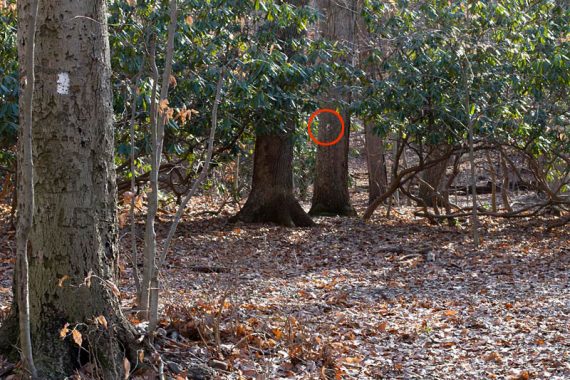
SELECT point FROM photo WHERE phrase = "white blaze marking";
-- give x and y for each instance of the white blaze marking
(63, 83)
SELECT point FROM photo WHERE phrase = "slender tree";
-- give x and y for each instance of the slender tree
(73, 241)
(159, 109)
(374, 143)
(26, 185)
(330, 194)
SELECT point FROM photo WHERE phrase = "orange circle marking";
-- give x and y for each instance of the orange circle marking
(318, 112)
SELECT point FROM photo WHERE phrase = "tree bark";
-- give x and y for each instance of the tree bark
(433, 176)
(376, 161)
(330, 191)
(26, 186)
(73, 242)
(271, 198)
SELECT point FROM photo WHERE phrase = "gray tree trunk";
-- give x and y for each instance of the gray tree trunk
(330, 192)
(376, 161)
(74, 231)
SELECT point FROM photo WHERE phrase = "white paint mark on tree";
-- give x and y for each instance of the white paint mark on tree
(63, 83)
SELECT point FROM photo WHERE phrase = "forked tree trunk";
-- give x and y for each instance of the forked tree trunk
(271, 198)
(74, 231)
(330, 191)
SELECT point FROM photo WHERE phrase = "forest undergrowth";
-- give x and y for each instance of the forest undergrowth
(392, 298)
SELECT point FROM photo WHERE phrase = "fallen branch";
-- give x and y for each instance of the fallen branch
(513, 214)
(559, 223)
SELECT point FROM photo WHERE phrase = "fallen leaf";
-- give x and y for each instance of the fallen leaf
(102, 321)
(64, 331)
(62, 280)
(277, 333)
(77, 337)
(127, 367)
(494, 357)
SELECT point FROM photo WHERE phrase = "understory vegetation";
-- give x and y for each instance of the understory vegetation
(430, 242)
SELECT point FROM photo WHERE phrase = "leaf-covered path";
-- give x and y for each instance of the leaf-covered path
(390, 299)
(393, 298)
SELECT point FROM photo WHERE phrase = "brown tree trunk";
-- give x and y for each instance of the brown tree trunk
(73, 243)
(271, 198)
(375, 152)
(330, 191)
(432, 178)
(376, 161)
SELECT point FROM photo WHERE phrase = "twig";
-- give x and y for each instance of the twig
(134, 257)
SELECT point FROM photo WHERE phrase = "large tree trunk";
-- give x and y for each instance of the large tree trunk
(376, 161)
(73, 243)
(330, 191)
(271, 198)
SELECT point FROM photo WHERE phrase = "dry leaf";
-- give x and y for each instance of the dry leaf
(77, 337)
(123, 219)
(169, 113)
(114, 288)
(64, 331)
(128, 197)
(278, 333)
(494, 357)
(127, 367)
(524, 375)
(62, 280)
(351, 360)
(102, 321)
(189, 20)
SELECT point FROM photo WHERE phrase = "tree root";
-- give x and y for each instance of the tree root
(283, 210)
(322, 210)
(105, 348)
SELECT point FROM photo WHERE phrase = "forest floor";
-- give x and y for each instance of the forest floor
(393, 298)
